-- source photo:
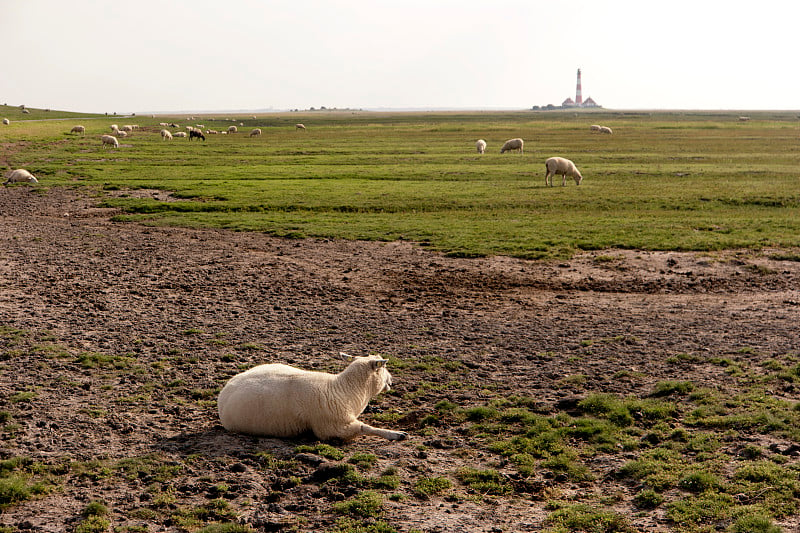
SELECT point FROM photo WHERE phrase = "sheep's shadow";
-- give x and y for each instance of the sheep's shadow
(216, 441)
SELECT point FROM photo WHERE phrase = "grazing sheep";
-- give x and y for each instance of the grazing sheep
(299, 127)
(565, 167)
(78, 129)
(282, 401)
(480, 146)
(166, 135)
(121, 133)
(180, 134)
(109, 139)
(19, 175)
(744, 119)
(26, 111)
(114, 127)
(256, 132)
(196, 133)
(6, 121)
(595, 127)
(512, 144)
(605, 129)
(232, 129)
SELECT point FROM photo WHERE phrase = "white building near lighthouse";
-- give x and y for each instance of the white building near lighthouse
(579, 101)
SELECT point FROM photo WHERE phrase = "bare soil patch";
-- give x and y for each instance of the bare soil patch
(189, 308)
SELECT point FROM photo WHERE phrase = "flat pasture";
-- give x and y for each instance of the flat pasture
(662, 181)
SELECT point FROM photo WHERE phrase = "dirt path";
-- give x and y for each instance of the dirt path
(193, 306)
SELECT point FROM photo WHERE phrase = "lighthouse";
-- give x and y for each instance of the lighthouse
(578, 95)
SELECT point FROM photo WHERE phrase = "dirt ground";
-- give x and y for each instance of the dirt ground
(194, 306)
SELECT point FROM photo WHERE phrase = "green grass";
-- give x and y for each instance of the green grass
(663, 181)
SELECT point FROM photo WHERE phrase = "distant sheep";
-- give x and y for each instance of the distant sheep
(283, 401)
(595, 127)
(121, 133)
(299, 127)
(564, 167)
(114, 127)
(256, 132)
(744, 119)
(212, 132)
(180, 134)
(480, 146)
(78, 129)
(166, 135)
(605, 129)
(6, 121)
(19, 175)
(109, 139)
(232, 129)
(512, 144)
(196, 133)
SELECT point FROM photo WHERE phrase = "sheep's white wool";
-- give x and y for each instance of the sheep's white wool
(19, 175)
(283, 401)
(512, 144)
(564, 167)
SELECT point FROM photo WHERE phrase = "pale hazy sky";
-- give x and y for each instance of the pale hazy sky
(172, 55)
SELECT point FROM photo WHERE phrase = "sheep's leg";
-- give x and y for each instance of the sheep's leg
(564, 180)
(356, 428)
(387, 434)
(546, 176)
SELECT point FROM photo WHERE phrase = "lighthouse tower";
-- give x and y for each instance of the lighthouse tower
(578, 95)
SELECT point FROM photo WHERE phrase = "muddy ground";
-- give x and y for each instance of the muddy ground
(189, 308)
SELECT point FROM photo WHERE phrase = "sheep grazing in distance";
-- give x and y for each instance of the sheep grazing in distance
(109, 139)
(78, 129)
(114, 127)
(278, 400)
(194, 132)
(121, 133)
(19, 175)
(480, 146)
(595, 127)
(6, 121)
(299, 127)
(564, 167)
(256, 132)
(744, 119)
(605, 129)
(512, 144)
(233, 129)
(166, 135)
(180, 134)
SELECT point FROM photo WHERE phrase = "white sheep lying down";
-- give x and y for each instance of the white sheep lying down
(19, 175)
(565, 167)
(278, 400)
(512, 144)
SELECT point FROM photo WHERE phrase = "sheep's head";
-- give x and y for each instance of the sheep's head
(377, 375)
(578, 177)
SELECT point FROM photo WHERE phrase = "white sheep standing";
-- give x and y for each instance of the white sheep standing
(480, 146)
(595, 127)
(512, 144)
(256, 132)
(278, 400)
(300, 127)
(78, 129)
(19, 175)
(166, 135)
(114, 127)
(232, 129)
(565, 167)
(109, 139)
(605, 129)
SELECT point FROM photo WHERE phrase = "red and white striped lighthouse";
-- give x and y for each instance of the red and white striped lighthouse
(578, 95)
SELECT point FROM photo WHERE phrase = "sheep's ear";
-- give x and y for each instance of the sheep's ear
(379, 363)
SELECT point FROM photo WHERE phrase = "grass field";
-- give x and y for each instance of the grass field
(662, 181)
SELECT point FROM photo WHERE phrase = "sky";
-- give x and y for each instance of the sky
(192, 55)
